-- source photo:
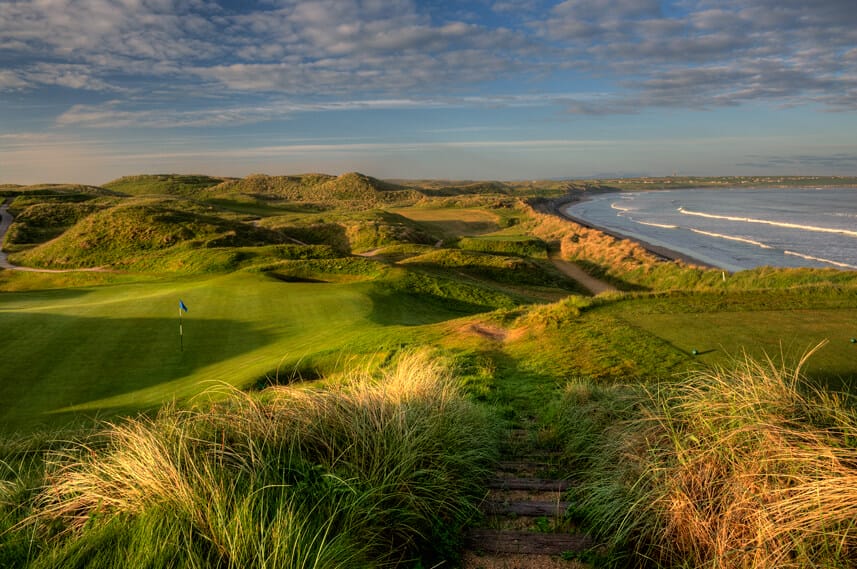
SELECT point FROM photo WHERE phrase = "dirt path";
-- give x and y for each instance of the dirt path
(595, 286)
(5, 222)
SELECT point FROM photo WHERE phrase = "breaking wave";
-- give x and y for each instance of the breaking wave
(732, 238)
(769, 222)
(820, 260)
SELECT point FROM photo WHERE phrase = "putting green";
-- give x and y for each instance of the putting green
(117, 348)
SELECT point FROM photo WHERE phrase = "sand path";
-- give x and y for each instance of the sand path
(593, 285)
(5, 222)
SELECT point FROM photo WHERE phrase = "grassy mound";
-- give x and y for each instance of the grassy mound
(54, 190)
(351, 231)
(354, 189)
(164, 184)
(43, 221)
(121, 235)
(521, 245)
(499, 268)
(368, 474)
(743, 467)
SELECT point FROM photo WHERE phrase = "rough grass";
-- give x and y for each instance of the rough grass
(748, 466)
(521, 245)
(353, 189)
(163, 184)
(122, 235)
(373, 472)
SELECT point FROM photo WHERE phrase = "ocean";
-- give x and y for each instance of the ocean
(738, 228)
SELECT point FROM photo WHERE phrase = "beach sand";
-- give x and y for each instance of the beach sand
(560, 209)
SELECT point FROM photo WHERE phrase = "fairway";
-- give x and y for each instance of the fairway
(117, 348)
(719, 337)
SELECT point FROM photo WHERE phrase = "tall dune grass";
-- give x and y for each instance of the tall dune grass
(370, 473)
(747, 467)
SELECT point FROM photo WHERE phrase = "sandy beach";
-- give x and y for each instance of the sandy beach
(561, 209)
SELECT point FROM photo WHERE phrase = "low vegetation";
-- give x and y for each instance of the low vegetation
(747, 466)
(368, 473)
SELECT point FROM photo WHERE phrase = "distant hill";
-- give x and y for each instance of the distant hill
(353, 188)
(122, 234)
(53, 189)
(164, 184)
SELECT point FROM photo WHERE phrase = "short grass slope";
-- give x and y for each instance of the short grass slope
(378, 472)
(115, 349)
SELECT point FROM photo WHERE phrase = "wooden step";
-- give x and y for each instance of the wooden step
(521, 466)
(525, 542)
(532, 484)
(531, 509)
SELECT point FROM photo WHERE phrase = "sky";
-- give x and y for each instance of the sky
(91, 90)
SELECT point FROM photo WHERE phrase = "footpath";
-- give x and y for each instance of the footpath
(525, 523)
(593, 285)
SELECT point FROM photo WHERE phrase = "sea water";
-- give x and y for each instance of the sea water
(737, 228)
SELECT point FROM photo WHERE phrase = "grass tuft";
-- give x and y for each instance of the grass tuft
(372, 472)
(749, 466)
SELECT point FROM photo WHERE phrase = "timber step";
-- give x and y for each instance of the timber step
(525, 542)
(532, 484)
(523, 465)
(531, 509)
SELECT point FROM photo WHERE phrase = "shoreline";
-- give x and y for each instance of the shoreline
(664, 253)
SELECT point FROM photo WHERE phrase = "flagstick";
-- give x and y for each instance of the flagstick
(181, 330)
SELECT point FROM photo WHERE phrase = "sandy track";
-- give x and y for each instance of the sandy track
(593, 285)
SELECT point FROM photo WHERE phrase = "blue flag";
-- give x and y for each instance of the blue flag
(182, 306)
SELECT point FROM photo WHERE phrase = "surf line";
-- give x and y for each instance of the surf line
(650, 224)
(732, 238)
(820, 259)
(769, 222)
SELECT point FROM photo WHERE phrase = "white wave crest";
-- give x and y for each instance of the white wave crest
(769, 222)
(820, 260)
(650, 224)
(732, 238)
(620, 208)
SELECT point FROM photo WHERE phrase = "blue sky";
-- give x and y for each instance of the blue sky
(488, 89)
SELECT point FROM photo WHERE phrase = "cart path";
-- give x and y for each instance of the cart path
(5, 222)
(594, 285)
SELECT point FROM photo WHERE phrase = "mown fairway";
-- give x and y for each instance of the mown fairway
(784, 335)
(116, 348)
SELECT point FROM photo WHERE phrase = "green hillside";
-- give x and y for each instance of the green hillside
(165, 184)
(119, 236)
(352, 189)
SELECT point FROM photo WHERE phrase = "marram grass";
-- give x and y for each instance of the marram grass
(370, 473)
(748, 467)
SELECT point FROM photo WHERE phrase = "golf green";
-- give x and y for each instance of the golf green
(117, 348)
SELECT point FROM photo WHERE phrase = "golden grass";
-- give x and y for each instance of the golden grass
(748, 468)
(364, 470)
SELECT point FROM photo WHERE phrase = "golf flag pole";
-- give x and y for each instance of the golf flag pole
(182, 308)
